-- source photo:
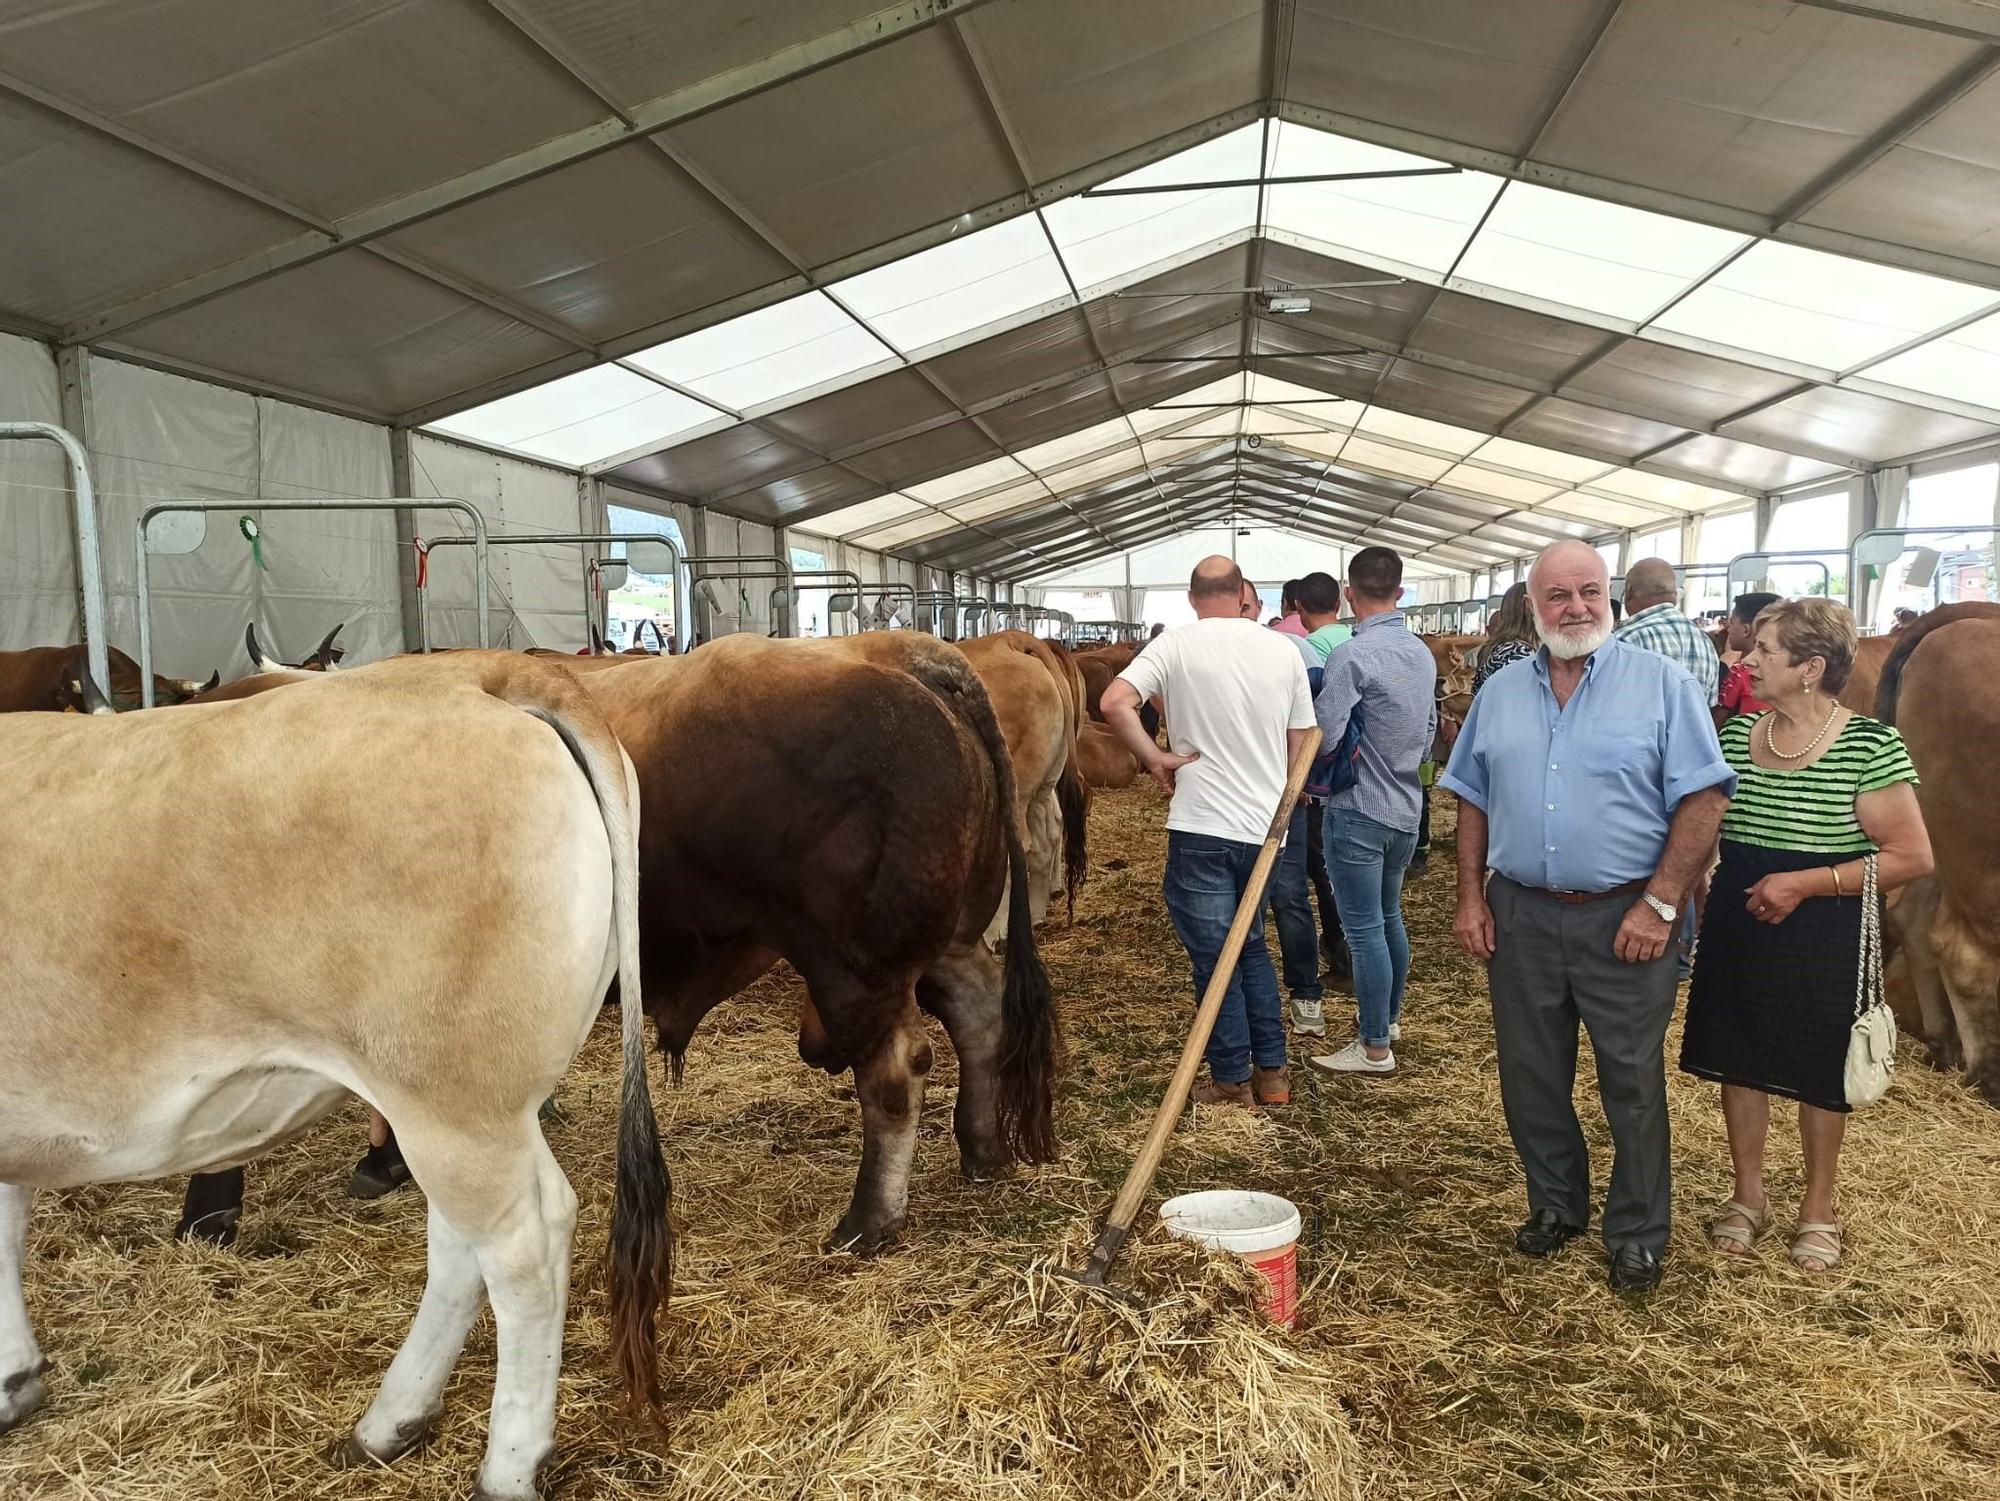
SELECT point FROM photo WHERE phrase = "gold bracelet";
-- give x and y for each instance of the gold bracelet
(1835, 869)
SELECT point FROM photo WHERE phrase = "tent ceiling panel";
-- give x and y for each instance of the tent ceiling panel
(721, 463)
(1745, 465)
(851, 521)
(584, 416)
(1417, 221)
(1447, 397)
(337, 106)
(1753, 120)
(142, 222)
(1500, 337)
(546, 246)
(1487, 70)
(951, 289)
(1049, 415)
(1509, 453)
(1964, 361)
(1082, 82)
(771, 355)
(355, 329)
(793, 497)
(1047, 349)
(895, 125)
(1663, 378)
(853, 416)
(1115, 238)
(1939, 187)
(1869, 426)
(929, 455)
(1573, 425)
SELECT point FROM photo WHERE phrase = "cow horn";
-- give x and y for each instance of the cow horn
(87, 692)
(326, 654)
(257, 658)
(597, 645)
(214, 682)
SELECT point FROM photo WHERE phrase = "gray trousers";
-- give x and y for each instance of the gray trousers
(1553, 965)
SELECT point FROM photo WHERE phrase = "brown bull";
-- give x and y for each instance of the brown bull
(49, 679)
(157, 1022)
(1941, 686)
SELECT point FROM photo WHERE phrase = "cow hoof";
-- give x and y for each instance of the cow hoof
(863, 1241)
(20, 1394)
(372, 1179)
(986, 1169)
(218, 1227)
(350, 1453)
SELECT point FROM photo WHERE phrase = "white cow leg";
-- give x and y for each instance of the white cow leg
(1045, 852)
(410, 1400)
(524, 1257)
(21, 1363)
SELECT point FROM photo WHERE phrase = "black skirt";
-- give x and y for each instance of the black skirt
(1772, 1007)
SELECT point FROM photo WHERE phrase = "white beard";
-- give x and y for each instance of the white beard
(1566, 645)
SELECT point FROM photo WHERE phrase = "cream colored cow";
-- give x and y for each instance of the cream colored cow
(472, 871)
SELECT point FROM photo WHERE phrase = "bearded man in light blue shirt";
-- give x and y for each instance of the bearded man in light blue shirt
(1590, 788)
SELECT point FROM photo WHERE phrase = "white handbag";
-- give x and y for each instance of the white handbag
(1871, 1046)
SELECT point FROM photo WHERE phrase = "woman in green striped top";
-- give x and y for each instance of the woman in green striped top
(1772, 1004)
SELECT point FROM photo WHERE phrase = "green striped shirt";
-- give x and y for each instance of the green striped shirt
(1812, 808)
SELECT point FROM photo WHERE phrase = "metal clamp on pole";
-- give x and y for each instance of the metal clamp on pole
(185, 534)
(89, 558)
(782, 569)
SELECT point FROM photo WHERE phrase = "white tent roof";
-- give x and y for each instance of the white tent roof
(1629, 260)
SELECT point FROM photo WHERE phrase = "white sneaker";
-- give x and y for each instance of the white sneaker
(1308, 1017)
(1354, 1059)
(1395, 1031)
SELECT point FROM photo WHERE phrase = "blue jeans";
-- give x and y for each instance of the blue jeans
(1291, 907)
(1366, 860)
(1206, 877)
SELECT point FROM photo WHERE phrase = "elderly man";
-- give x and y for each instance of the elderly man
(1653, 620)
(1238, 709)
(1591, 787)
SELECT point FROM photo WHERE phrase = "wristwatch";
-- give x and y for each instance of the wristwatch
(1667, 913)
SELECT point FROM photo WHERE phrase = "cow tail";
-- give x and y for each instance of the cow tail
(642, 1239)
(1027, 1001)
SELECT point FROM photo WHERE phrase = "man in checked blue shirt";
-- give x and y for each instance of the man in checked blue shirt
(1591, 787)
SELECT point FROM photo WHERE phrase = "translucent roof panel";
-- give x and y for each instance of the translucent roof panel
(1822, 310)
(1380, 422)
(1108, 241)
(1044, 458)
(1532, 458)
(584, 418)
(852, 520)
(769, 355)
(1661, 489)
(1498, 486)
(1414, 221)
(963, 284)
(1589, 254)
(1386, 458)
(1616, 514)
(1964, 365)
(984, 476)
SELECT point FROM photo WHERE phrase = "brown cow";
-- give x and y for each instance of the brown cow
(806, 803)
(156, 1022)
(1941, 687)
(1098, 665)
(49, 679)
(1455, 673)
(1102, 758)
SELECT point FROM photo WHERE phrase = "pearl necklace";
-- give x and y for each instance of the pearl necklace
(1771, 737)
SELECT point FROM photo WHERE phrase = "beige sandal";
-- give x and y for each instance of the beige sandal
(1728, 1239)
(1826, 1253)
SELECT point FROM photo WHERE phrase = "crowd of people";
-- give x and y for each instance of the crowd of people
(1634, 807)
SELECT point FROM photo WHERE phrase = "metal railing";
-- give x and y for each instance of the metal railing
(89, 557)
(186, 538)
(482, 541)
(781, 569)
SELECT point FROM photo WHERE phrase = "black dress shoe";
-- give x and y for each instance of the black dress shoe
(1544, 1234)
(1634, 1269)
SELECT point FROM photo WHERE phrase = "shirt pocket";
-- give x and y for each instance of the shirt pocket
(1622, 761)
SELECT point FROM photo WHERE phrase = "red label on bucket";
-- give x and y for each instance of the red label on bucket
(1280, 1300)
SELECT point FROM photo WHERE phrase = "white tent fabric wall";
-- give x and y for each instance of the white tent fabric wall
(158, 437)
(535, 594)
(741, 604)
(37, 552)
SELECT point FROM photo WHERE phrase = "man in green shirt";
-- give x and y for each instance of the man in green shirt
(1319, 612)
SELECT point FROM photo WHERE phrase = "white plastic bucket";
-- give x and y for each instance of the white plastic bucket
(1261, 1228)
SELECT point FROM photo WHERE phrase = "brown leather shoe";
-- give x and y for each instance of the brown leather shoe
(1272, 1086)
(1208, 1092)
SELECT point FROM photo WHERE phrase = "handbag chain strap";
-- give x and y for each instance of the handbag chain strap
(1868, 976)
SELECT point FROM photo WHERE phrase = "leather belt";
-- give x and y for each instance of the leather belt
(1579, 898)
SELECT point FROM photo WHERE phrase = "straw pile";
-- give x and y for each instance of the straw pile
(1428, 1361)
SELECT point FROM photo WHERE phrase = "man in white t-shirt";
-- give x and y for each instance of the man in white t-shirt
(1237, 709)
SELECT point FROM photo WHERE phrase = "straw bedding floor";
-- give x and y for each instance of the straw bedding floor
(1429, 1362)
